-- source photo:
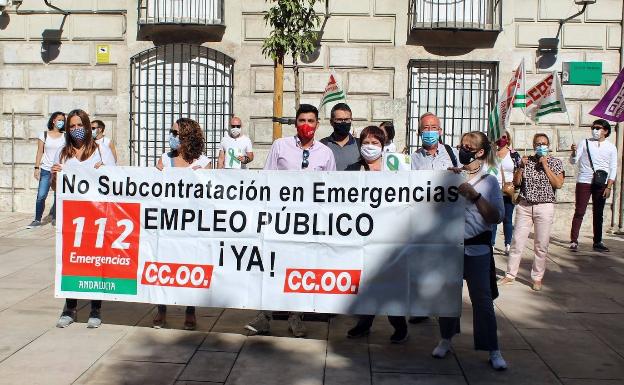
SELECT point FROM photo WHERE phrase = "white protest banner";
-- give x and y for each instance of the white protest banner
(396, 161)
(336, 242)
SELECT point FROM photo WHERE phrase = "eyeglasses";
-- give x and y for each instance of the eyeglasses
(236, 126)
(597, 128)
(173, 132)
(541, 144)
(347, 120)
(305, 163)
(94, 128)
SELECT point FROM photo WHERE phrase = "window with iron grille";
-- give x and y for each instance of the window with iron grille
(172, 81)
(207, 12)
(460, 93)
(456, 14)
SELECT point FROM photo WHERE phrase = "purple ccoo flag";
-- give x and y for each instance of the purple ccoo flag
(611, 106)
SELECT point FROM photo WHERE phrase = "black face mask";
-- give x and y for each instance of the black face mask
(467, 157)
(342, 129)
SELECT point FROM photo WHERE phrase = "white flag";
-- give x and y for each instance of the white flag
(546, 97)
(514, 95)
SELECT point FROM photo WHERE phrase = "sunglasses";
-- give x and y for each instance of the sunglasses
(305, 163)
(236, 126)
(173, 132)
(597, 128)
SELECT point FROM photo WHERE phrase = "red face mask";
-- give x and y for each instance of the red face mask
(502, 142)
(305, 132)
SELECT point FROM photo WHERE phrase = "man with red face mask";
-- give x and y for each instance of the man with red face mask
(299, 152)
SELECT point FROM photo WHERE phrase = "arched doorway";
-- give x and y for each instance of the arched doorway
(173, 81)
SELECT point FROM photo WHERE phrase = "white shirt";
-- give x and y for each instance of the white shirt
(200, 162)
(508, 166)
(604, 157)
(238, 146)
(50, 147)
(488, 186)
(102, 154)
(390, 147)
(103, 141)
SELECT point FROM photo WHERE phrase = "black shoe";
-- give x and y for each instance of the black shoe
(399, 336)
(360, 330)
(417, 320)
(600, 247)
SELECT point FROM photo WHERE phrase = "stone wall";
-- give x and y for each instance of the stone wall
(365, 42)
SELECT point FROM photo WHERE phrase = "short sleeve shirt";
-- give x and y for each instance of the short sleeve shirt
(344, 155)
(51, 146)
(536, 187)
(201, 162)
(287, 154)
(102, 154)
(238, 146)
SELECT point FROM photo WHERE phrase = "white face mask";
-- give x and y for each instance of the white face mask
(235, 131)
(596, 134)
(370, 152)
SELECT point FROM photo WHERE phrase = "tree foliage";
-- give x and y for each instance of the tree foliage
(292, 23)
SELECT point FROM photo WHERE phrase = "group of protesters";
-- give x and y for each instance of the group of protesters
(498, 181)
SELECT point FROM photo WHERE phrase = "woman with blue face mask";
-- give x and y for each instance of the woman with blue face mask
(187, 144)
(538, 177)
(80, 148)
(48, 144)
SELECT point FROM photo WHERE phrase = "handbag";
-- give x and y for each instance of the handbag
(599, 178)
(508, 187)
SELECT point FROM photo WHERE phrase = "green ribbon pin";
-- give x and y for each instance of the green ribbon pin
(392, 162)
(233, 157)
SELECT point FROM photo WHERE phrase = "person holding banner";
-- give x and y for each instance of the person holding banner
(597, 169)
(430, 157)
(539, 177)
(345, 147)
(236, 149)
(507, 161)
(81, 149)
(187, 150)
(388, 129)
(300, 152)
(484, 208)
(373, 140)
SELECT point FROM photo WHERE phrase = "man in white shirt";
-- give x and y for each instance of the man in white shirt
(98, 128)
(235, 149)
(597, 169)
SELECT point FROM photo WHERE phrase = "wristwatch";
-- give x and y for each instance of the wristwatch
(36, 167)
(477, 198)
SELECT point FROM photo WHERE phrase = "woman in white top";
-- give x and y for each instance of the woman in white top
(484, 208)
(187, 150)
(388, 129)
(98, 127)
(507, 160)
(48, 144)
(593, 155)
(80, 149)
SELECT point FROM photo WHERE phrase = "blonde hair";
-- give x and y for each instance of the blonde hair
(481, 140)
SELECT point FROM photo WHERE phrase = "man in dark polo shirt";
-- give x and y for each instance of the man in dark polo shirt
(345, 147)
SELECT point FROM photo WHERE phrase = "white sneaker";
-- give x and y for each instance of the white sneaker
(259, 325)
(497, 361)
(296, 326)
(442, 349)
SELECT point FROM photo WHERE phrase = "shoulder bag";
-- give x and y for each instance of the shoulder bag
(600, 176)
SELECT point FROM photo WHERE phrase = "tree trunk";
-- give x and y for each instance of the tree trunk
(297, 84)
(278, 95)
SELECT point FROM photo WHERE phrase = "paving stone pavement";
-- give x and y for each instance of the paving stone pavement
(571, 333)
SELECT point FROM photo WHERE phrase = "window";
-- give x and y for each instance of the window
(173, 81)
(456, 14)
(181, 12)
(460, 93)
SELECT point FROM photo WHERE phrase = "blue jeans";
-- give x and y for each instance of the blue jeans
(42, 193)
(507, 221)
(477, 276)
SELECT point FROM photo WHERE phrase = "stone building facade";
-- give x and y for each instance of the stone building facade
(395, 58)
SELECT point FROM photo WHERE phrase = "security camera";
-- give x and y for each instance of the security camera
(3, 4)
(17, 3)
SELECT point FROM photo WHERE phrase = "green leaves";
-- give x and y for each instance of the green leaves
(293, 23)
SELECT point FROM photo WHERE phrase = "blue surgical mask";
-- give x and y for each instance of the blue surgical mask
(59, 124)
(541, 150)
(174, 142)
(429, 138)
(78, 134)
